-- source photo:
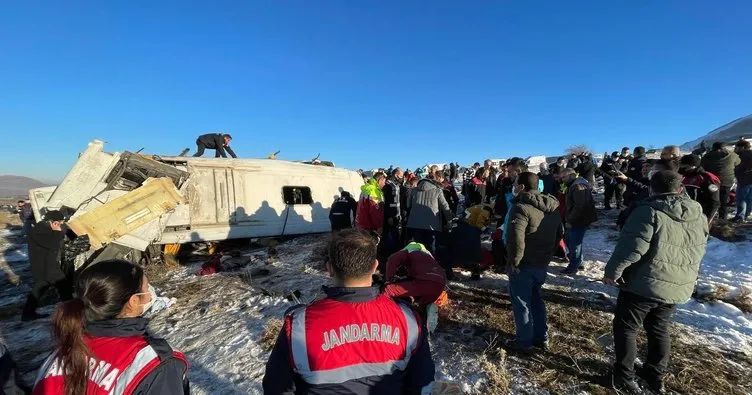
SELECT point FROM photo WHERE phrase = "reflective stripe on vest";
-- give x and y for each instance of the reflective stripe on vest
(352, 372)
(144, 358)
(143, 363)
(45, 367)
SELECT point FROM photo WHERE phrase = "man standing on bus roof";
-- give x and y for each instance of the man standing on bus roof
(217, 141)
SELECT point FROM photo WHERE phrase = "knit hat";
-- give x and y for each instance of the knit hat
(54, 215)
(691, 160)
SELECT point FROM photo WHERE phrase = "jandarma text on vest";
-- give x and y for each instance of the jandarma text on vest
(100, 372)
(357, 333)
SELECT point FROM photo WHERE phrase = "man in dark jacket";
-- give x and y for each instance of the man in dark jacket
(580, 215)
(642, 186)
(743, 174)
(573, 161)
(722, 162)
(343, 211)
(614, 189)
(702, 186)
(586, 168)
(452, 172)
(549, 181)
(45, 256)
(429, 211)
(356, 340)
(502, 205)
(534, 227)
(558, 166)
(390, 238)
(634, 171)
(655, 265)
(491, 180)
(217, 141)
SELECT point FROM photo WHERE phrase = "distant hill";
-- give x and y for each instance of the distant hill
(729, 132)
(13, 186)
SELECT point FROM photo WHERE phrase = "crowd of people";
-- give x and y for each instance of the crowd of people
(390, 257)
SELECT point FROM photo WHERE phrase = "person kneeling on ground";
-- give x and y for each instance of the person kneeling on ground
(655, 265)
(103, 327)
(413, 273)
(463, 248)
(356, 340)
(534, 227)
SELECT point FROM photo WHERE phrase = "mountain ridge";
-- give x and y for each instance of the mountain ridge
(17, 186)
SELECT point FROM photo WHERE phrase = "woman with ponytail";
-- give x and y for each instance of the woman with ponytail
(102, 343)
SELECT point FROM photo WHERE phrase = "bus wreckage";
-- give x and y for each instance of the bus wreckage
(129, 204)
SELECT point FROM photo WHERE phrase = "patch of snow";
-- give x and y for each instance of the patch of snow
(9, 255)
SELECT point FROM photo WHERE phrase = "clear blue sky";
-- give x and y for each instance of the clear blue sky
(366, 83)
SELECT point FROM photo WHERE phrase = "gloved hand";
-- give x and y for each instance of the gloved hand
(511, 269)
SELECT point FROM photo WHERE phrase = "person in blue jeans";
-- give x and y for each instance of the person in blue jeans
(743, 173)
(743, 203)
(580, 215)
(574, 237)
(534, 228)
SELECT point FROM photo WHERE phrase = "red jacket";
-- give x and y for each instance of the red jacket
(704, 187)
(355, 341)
(120, 364)
(370, 214)
(419, 263)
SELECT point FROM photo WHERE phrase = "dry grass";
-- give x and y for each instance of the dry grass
(270, 333)
(742, 299)
(725, 231)
(575, 362)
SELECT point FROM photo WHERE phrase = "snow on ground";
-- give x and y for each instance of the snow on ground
(218, 320)
(12, 252)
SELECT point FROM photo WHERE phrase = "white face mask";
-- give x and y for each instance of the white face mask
(150, 303)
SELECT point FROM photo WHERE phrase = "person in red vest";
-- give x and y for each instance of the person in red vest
(423, 280)
(356, 340)
(370, 214)
(102, 343)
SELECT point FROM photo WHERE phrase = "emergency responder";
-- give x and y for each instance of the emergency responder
(217, 141)
(355, 340)
(370, 213)
(702, 186)
(103, 327)
(412, 273)
(342, 213)
(45, 243)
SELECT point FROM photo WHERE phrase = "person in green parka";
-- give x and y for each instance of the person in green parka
(655, 265)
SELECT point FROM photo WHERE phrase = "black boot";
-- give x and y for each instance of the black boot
(625, 386)
(29, 312)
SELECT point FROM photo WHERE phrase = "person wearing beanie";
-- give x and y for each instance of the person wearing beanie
(702, 186)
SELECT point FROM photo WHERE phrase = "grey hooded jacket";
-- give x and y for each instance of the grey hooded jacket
(427, 207)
